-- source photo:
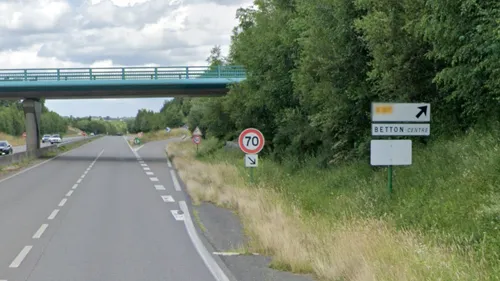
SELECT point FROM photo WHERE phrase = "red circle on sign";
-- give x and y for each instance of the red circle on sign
(251, 131)
(196, 139)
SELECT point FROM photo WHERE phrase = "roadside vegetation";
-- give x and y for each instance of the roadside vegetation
(12, 124)
(441, 223)
(313, 69)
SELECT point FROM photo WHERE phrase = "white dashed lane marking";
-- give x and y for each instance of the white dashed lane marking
(79, 181)
(63, 201)
(40, 231)
(150, 173)
(69, 193)
(19, 259)
(153, 179)
(159, 187)
(144, 165)
(167, 198)
(147, 169)
(178, 215)
(53, 214)
(74, 186)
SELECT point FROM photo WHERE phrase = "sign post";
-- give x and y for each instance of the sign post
(251, 142)
(397, 152)
(196, 137)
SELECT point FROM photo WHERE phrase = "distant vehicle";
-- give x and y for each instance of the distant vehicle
(92, 134)
(45, 138)
(5, 147)
(55, 139)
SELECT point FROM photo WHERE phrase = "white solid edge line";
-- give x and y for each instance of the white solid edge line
(177, 186)
(53, 214)
(39, 164)
(69, 193)
(19, 259)
(63, 201)
(169, 164)
(207, 258)
(137, 149)
(40, 231)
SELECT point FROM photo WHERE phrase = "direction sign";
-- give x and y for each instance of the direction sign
(382, 129)
(251, 160)
(197, 139)
(167, 129)
(401, 112)
(251, 141)
(197, 132)
(390, 152)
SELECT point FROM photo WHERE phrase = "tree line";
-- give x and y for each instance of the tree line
(315, 66)
(12, 119)
(12, 122)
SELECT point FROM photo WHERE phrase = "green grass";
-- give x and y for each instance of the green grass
(449, 196)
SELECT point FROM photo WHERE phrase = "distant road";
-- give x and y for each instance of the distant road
(22, 148)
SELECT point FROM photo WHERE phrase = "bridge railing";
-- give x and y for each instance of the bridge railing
(122, 73)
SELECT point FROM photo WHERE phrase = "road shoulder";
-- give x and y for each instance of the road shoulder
(223, 234)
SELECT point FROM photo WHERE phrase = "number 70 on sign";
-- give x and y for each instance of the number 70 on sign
(251, 141)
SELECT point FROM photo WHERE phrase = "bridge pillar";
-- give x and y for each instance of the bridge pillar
(32, 114)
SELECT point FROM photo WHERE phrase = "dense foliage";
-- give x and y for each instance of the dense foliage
(314, 67)
(99, 126)
(12, 120)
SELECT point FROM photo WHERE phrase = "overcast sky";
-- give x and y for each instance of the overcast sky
(92, 33)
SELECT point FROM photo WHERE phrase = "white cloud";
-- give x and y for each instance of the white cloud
(37, 15)
(106, 33)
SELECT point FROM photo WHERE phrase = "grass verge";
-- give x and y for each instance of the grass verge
(441, 223)
(13, 140)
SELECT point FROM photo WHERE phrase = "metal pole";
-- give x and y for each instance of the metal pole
(389, 179)
(251, 175)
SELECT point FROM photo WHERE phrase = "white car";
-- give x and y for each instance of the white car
(55, 139)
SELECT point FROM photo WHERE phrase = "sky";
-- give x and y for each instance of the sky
(105, 33)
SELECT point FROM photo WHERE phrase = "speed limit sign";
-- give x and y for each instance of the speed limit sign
(196, 139)
(251, 141)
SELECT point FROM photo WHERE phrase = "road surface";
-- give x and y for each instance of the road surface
(22, 148)
(100, 212)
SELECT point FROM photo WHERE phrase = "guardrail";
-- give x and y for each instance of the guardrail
(20, 156)
(122, 73)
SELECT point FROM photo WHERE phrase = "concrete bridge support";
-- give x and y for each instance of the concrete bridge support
(32, 114)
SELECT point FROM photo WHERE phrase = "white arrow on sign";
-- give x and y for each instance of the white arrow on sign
(401, 112)
(251, 160)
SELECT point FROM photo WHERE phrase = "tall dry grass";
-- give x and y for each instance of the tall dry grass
(359, 249)
(13, 140)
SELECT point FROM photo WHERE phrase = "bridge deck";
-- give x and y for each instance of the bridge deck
(118, 82)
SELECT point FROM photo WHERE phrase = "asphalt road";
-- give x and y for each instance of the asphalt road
(100, 212)
(22, 148)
